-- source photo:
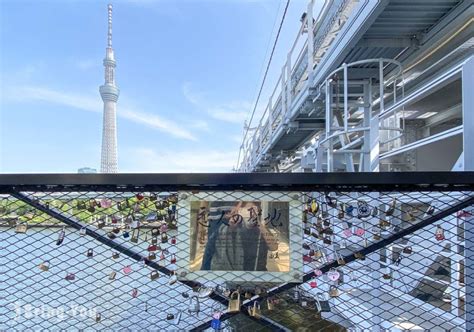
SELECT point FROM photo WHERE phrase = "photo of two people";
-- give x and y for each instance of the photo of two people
(240, 236)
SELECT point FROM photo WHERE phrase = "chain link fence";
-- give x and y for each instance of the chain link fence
(332, 257)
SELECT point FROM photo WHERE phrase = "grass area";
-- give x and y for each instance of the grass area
(85, 210)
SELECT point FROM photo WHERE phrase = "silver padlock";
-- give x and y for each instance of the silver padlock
(194, 305)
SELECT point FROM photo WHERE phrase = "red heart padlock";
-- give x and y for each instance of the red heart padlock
(152, 247)
(359, 231)
(173, 259)
(313, 284)
(173, 240)
(139, 196)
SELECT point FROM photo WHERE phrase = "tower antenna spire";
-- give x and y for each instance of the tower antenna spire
(109, 31)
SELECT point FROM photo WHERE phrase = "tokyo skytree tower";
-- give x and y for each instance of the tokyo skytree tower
(109, 93)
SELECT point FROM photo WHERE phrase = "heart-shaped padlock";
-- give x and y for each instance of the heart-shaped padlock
(333, 275)
(359, 231)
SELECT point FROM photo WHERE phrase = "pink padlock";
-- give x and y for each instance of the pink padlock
(127, 269)
(134, 292)
(347, 232)
(333, 275)
(359, 231)
(318, 273)
(313, 284)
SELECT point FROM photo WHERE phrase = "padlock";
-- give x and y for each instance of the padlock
(247, 295)
(359, 255)
(83, 231)
(254, 311)
(90, 253)
(114, 220)
(98, 317)
(151, 256)
(333, 275)
(70, 276)
(314, 206)
(318, 272)
(347, 232)
(101, 223)
(173, 240)
(375, 211)
(152, 247)
(363, 209)
(61, 235)
(154, 240)
(116, 230)
(313, 284)
(140, 196)
(327, 240)
(439, 235)
(322, 303)
(430, 210)
(386, 276)
(115, 255)
(154, 275)
(377, 236)
(333, 291)
(135, 235)
(216, 321)
(270, 304)
(173, 278)
(407, 250)
(384, 223)
(126, 234)
(359, 231)
(391, 207)
(21, 227)
(326, 222)
(332, 202)
(155, 232)
(127, 269)
(340, 212)
(111, 235)
(349, 210)
(44, 266)
(164, 237)
(112, 275)
(234, 302)
(173, 259)
(134, 292)
(164, 228)
(340, 258)
(194, 305)
(169, 316)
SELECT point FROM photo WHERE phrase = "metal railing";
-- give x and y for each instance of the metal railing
(368, 251)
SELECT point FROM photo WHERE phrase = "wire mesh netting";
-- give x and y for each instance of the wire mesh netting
(335, 260)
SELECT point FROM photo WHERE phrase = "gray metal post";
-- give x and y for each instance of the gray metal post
(468, 114)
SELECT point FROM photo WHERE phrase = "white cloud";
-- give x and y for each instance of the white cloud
(233, 112)
(186, 161)
(94, 104)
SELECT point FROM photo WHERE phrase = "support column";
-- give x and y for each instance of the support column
(468, 150)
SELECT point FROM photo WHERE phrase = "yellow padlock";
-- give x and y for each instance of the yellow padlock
(255, 311)
(234, 302)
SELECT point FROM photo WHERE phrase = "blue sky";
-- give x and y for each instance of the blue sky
(188, 72)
